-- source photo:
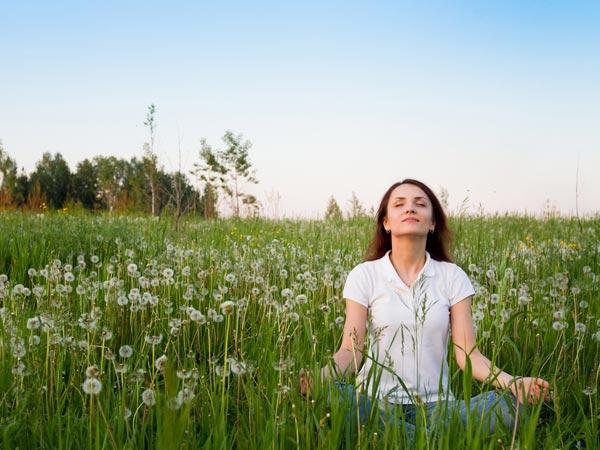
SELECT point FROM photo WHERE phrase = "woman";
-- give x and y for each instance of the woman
(408, 295)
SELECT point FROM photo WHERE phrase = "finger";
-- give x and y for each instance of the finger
(542, 382)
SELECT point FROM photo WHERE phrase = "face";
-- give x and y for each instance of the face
(409, 211)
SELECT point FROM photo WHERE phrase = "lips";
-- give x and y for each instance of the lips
(410, 219)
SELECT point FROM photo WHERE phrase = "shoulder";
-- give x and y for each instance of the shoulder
(446, 267)
(366, 269)
(449, 272)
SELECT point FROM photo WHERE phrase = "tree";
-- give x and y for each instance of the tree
(179, 192)
(22, 188)
(8, 179)
(54, 178)
(85, 184)
(208, 202)
(356, 208)
(181, 196)
(333, 211)
(111, 175)
(228, 170)
(150, 161)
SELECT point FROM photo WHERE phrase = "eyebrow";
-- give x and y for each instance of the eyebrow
(404, 198)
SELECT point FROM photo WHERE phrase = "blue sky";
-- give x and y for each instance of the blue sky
(495, 101)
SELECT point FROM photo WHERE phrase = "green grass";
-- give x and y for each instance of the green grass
(200, 401)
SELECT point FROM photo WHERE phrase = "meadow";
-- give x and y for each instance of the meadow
(120, 333)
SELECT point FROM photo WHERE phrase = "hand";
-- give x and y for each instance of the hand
(305, 383)
(530, 389)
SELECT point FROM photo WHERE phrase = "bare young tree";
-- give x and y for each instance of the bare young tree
(229, 170)
(150, 160)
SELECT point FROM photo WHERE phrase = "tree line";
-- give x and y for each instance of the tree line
(140, 184)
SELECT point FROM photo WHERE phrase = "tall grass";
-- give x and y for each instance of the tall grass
(207, 373)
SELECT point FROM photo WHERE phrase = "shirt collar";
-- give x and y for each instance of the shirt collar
(391, 274)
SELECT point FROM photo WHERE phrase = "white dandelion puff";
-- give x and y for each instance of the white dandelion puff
(589, 391)
(161, 362)
(92, 386)
(92, 371)
(153, 340)
(227, 307)
(34, 323)
(149, 397)
(197, 316)
(125, 351)
(230, 277)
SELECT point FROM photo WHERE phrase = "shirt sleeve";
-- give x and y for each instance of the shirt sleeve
(357, 286)
(461, 287)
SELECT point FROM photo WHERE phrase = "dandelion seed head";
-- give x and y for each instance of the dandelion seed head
(18, 349)
(19, 369)
(161, 362)
(153, 340)
(197, 316)
(106, 334)
(230, 277)
(227, 307)
(589, 391)
(92, 386)
(185, 395)
(149, 397)
(125, 351)
(33, 323)
(92, 371)
(121, 368)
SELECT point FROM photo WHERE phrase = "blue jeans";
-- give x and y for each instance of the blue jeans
(488, 409)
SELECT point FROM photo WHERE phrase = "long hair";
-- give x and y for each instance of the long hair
(437, 243)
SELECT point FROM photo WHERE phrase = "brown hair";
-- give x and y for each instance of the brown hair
(437, 243)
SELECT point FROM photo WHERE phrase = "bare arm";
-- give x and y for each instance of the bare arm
(349, 356)
(463, 338)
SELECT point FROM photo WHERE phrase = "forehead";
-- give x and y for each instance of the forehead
(408, 191)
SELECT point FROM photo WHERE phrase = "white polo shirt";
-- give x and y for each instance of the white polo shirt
(407, 327)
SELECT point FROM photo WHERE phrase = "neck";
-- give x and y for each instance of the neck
(408, 254)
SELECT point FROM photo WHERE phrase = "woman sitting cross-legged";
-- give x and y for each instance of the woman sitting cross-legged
(407, 295)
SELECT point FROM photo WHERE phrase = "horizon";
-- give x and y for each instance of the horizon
(496, 102)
